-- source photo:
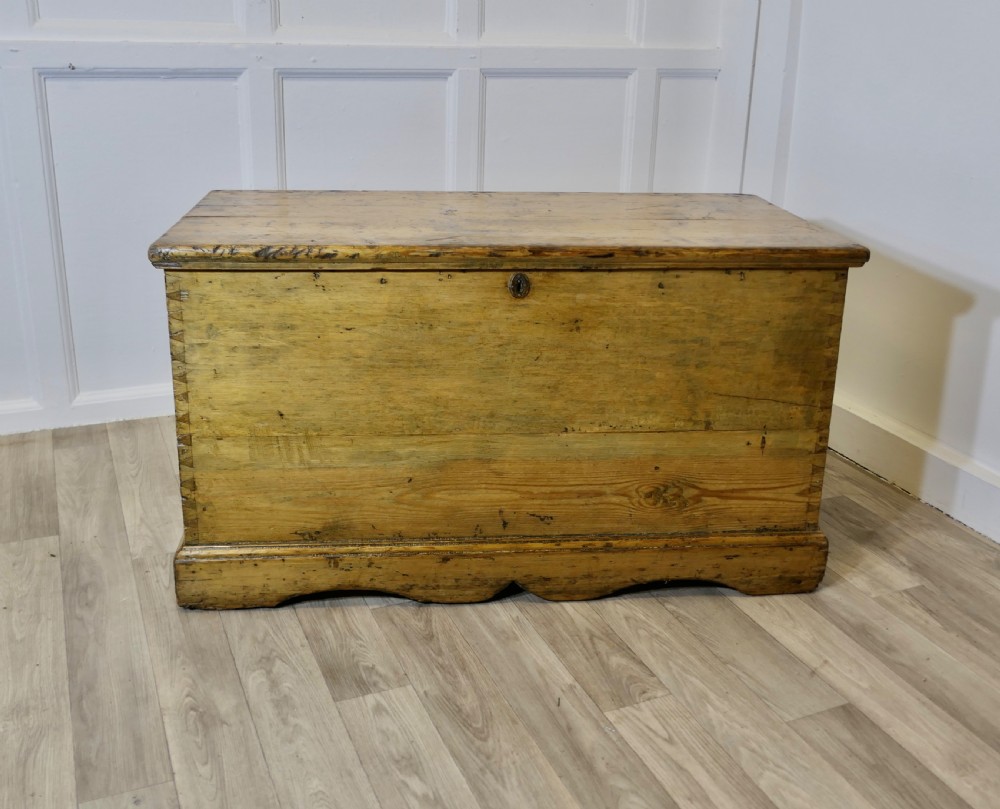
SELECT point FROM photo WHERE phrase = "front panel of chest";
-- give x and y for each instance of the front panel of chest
(384, 406)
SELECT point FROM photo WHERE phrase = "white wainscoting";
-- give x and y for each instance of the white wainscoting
(118, 115)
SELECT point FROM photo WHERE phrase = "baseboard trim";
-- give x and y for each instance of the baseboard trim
(111, 396)
(91, 407)
(938, 474)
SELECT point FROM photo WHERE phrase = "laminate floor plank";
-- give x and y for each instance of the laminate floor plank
(938, 741)
(214, 749)
(892, 502)
(597, 768)
(970, 697)
(351, 650)
(500, 760)
(841, 472)
(693, 767)
(924, 523)
(308, 751)
(779, 678)
(118, 733)
(403, 754)
(167, 426)
(877, 765)
(972, 589)
(160, 796)
(980, 616)
(865, 566)
(36, 728)
(670, 696)
(375, 600)
(212, 741)
(873, 557)
(600, 661)
(959, 541)
(938, 618)
(147, 479)
(27, 487)
(786, 769)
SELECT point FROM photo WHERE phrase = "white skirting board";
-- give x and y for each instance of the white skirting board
(919, 464)
(118, 404)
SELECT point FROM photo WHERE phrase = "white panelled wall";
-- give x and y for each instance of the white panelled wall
(116, 116)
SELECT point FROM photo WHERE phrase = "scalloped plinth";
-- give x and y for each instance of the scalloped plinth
(575, 568)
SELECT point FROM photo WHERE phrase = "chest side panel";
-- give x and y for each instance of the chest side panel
(339, 405)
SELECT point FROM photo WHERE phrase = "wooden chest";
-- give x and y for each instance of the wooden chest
(438, 394)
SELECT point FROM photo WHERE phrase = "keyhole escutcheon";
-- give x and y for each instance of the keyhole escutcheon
(519, 285)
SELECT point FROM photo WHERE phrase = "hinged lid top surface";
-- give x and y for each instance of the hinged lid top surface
(304, 230)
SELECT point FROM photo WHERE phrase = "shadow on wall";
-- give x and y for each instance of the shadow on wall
(918, 385)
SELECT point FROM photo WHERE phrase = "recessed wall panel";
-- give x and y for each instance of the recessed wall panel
(554, 133)
(131, 155)
(366, 131)
(682, 23)
(377, 20)
(685, 106)
(15, 380)
(137, 10)
(555, 21)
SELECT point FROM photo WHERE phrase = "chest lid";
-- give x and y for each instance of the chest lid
(358, 230)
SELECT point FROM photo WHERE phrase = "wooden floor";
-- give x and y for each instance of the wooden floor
(880, 690)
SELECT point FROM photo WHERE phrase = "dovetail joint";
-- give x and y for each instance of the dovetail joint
(185, 457)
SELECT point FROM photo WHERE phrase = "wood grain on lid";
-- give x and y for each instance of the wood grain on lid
(305, 230)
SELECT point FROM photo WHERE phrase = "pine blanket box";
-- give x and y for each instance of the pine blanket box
(439, 394)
